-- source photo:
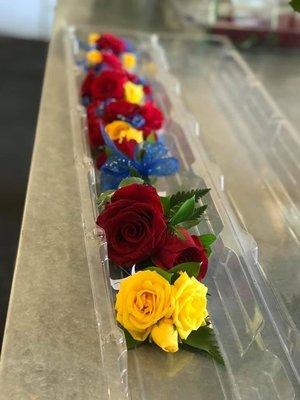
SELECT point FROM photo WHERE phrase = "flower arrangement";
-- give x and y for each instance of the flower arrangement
(163, 299)
(123, 121)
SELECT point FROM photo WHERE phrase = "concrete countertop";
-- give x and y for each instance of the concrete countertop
(50, 345)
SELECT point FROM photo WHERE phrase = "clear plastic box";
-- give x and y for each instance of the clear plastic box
(255, 331)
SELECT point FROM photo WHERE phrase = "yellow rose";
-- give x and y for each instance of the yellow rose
(189, 299)
(120, 130)
(165, 335)
(129, 61)
(92, 38)
(134, 93)
(94, 57)
(143, 299)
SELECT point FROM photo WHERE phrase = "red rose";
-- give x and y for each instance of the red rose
(119, 108)
(108, 41)
(147, 90)
(111, 60)
(127, 147)
(109, 84)
(177, 251)
(101, 159)
(95, 136)
(134, 224)
(86, 84)
(92, 108)
(132, 77)
(153, 117)
(94, 122)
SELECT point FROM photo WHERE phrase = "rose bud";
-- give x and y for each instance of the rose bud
(165, 335)
(177, 251)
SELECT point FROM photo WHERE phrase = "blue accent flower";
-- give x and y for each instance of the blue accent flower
(85, 101)
(138, 121)
(150, 160)
(129, 46)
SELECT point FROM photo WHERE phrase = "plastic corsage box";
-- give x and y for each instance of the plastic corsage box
(228, 136)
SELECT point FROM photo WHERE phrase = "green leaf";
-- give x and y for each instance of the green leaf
(204, 340)
(134, 172)
(178, 233)
(199, 211)
(189, 223)
(182, 196)
(103, 198)
(165, 201)
(184, 212)
(191, 268)
(130, 180)
(161, 272)
(207, 239)
(131, 343)
(151, 138)
(295, 4)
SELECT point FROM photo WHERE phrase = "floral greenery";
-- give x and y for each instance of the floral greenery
(295, 4)
(181, 208)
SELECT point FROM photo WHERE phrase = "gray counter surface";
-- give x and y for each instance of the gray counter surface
(49, 350)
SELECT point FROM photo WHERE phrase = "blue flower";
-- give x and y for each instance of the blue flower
(150, 160)
(138, 121)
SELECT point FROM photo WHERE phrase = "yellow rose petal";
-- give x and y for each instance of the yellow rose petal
(134, 93)
(94, 57)
(92, 38)
(165, 335)
(120, 130)
(129, 61)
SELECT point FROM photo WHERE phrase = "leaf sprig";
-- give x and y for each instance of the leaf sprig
(204, 340)
(182, 210)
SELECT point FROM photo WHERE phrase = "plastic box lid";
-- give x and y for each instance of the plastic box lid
(229, 136)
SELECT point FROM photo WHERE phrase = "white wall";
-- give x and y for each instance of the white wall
(27, 18)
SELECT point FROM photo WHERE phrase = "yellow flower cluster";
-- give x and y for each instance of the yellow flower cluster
(92, 38)
(94, 57)
(134, 93)
(147, 305)
(129, 61)
(120, 130)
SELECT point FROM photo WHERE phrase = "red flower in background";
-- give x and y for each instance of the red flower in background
(111, 60)
(86, 84)
(127, 147)
(134, 224)
(153, 117)
(101, 159)
(92, 108)
(107, 41)
(176, 251)
(147, 90)
(94, 132)
(94, 122)
(119, 108)
(109, 84)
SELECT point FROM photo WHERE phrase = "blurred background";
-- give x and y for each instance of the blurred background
(266, 32)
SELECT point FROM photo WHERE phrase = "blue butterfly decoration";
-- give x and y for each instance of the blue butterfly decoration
(150, 160)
